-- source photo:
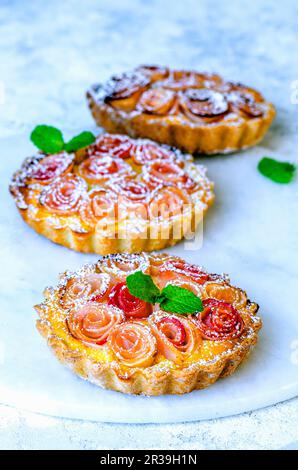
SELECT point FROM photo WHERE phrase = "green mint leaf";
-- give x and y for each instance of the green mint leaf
(180, 300)
(47, 138)
(79, 141)
(172, 299)
(280, 172)
(142, 286)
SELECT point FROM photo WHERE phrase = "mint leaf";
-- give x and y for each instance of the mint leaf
(50, 140)
(47, 138)
(142, 286)
(180, 300)
(172, 299)
(280, 172)
(79, 141)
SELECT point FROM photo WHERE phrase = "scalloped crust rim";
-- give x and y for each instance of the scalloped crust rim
(93, 242)
(150, 381)
(152, 236)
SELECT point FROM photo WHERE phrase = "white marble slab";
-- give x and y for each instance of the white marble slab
(250, 233)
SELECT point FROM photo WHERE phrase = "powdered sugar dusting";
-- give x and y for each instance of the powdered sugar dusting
(125, 174)
(199, 94)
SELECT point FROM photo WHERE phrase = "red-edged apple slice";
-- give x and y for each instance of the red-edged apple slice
(131, 306)
(177, 336)
(219, 321)
(45, 170)
(112, 146)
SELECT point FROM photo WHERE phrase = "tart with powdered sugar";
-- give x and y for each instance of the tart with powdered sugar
(106, 335)
(117, 195)
(197, 112)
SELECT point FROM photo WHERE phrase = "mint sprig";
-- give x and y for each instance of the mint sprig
(171, 298)
(279, 172)
(50, 140)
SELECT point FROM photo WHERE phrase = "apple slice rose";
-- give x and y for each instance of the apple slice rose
(122, 265)
(133, 198)
(203, 103)
(225, 293)
(123, 91)
(99, 204)
(180, 269)
(93, 286)
(177, 336)
(158, 101)
(125, 85)
(246, 100)
(133, 344)
(168, 203)
(112, 146)
(167, 173)
(219, 321)
(45, 170)
(132, 190)
(146, 152)
(98, 168)
(93, 322)
(131, 306)
(64, 194)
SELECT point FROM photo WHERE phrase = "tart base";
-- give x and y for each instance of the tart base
(223, 137)
(165, 377)
(122, 232)
(96, 242)
(152, 381)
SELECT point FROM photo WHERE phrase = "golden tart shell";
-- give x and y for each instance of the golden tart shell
(234, 129)
(75, 229)
(99, 365)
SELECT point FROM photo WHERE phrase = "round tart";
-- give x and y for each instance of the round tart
(104, 334)
(197, 112)
(117, 195)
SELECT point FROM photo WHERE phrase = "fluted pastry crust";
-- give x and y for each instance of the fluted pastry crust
(245, 118)
(67, 223)
(99, 365)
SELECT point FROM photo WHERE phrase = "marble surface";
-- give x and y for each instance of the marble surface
(52, 55)
(254, 262)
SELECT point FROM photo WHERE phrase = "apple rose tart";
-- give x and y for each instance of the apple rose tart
(197, 112)
(148, 324)
(116, 195)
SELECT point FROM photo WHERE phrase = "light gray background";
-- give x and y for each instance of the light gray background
(50, 52)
